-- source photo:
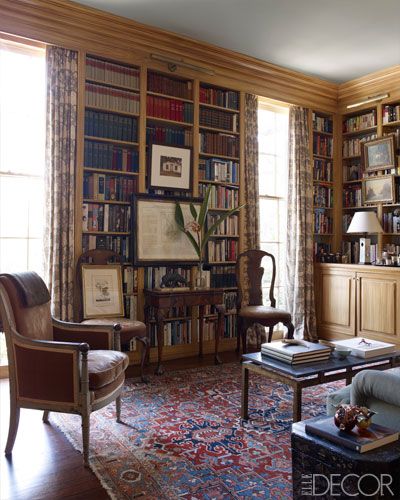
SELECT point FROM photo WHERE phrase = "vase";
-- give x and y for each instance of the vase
(200, 281)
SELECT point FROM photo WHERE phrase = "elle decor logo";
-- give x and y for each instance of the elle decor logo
(351, 485)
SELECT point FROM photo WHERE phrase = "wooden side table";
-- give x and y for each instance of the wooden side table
(162, 301)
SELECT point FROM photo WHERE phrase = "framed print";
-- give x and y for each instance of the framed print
(157, 239)
(102, 291)
(378, 189)
(379, 154)
(170, 168)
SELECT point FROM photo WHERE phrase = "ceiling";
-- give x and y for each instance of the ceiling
(336, 40)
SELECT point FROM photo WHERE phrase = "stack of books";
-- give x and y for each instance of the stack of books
(296, 352)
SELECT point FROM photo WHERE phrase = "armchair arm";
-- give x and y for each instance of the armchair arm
(377, 385)
(97, 336)
(47, 372)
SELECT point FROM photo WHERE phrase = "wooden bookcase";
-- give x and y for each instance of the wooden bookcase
(125, 108)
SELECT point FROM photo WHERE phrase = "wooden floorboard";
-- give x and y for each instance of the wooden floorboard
(44, 465)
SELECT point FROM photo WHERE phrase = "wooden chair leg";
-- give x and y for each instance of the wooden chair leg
(270, 333)
(239, 333)
(85, 438)
(13, 427)
(118, 408)
(245, 326)
(45, 417)
(290, 330)
(145, 355)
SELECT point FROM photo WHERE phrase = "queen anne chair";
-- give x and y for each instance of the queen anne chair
(54, 365)
(130, 329)
(254, 312)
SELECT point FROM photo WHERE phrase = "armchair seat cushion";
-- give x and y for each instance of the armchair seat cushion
(130, 328)
(265, 312)
(105, 367)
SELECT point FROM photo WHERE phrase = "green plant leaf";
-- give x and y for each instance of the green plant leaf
(216, 224)
(193, 211)
(204, 207)
(194, 243)
(179, 217)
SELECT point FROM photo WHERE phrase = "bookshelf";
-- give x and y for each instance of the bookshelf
(126, 110)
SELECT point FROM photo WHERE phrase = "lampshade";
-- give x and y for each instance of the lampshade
(365, 222)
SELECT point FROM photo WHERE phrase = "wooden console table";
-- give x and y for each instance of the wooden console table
(162, 301)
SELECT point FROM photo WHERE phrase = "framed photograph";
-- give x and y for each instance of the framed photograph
(102, 291)
(170, 168)
(157, 239)
(378, 189)
(379, 154)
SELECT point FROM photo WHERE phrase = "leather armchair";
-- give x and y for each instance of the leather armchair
(54, 365)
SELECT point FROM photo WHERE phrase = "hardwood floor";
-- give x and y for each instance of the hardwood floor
(44, 465)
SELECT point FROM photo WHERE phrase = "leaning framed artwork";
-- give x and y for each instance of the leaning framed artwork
(157, 239)
(379, 154)
(102, 291)
(379, 189)
(170, 168)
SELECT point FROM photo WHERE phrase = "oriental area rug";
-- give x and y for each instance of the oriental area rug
(182, 437)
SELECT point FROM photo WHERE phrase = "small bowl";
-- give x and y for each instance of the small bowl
(342, 352)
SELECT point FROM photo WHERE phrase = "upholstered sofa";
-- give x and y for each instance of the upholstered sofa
(377, 390)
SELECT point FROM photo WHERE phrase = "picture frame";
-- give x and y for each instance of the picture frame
(378, 154)
(378, 189)
(102, 291)
(170, 168)
(156, 238)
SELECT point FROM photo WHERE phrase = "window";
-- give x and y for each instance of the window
(22, 158)
(273, 177)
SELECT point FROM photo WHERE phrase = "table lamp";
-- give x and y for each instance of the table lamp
(365, 223)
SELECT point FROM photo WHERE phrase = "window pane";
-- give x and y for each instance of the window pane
(267, 170)
(269, 222)
(35, 257)
(13, 255)
(14, 204)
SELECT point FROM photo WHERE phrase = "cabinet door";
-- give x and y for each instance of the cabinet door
(335, 302)
(378, 305)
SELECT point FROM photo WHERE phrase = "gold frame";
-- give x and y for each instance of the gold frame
(88, 292)
(389, 142)
(375, 179)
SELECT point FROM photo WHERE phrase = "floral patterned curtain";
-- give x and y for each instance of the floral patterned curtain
(62, 97)
(299, 258)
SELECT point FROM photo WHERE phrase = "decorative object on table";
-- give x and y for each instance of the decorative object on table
(173, 280)
(170, 168)
(156, 238)
(379, 189)
(102, 291)
(347, 416)
(360, 440)
(296, 352)
(379, 154)
(197, 232)
(365, 348)
(366, 223)
(342, 351)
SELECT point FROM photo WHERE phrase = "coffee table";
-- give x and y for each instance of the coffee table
(308, 375)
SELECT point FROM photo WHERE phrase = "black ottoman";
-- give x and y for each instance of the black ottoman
(324, 470)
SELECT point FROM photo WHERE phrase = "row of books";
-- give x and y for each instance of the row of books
(322, 145)
(130, 307)
(352, 147)
(112, 73)
(175, 333)
(170, 109)
(219, 144)
(105, 217)
(161, 84)
(360, 122)
(219, 119)
(223, 277)
(390, 113)
(101, 187)
(346, 220)
(352, 250)
(391, 222)
(101, 96)
(118, 244)
(110, 126)
(153, 275)
(323, 170)
(110, 157)
(352, 196)
(171, 136)
(321, 248)
(322, 222)
(221, 250)
(323, 196)
(129, 279)
(220, 196)
(352, 171)
(216, 169)
(229, 227)
(392, 248)
(224, 98)
(296, 352)
(322, 123)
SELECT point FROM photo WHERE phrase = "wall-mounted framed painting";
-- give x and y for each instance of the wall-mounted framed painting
(170, 168)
